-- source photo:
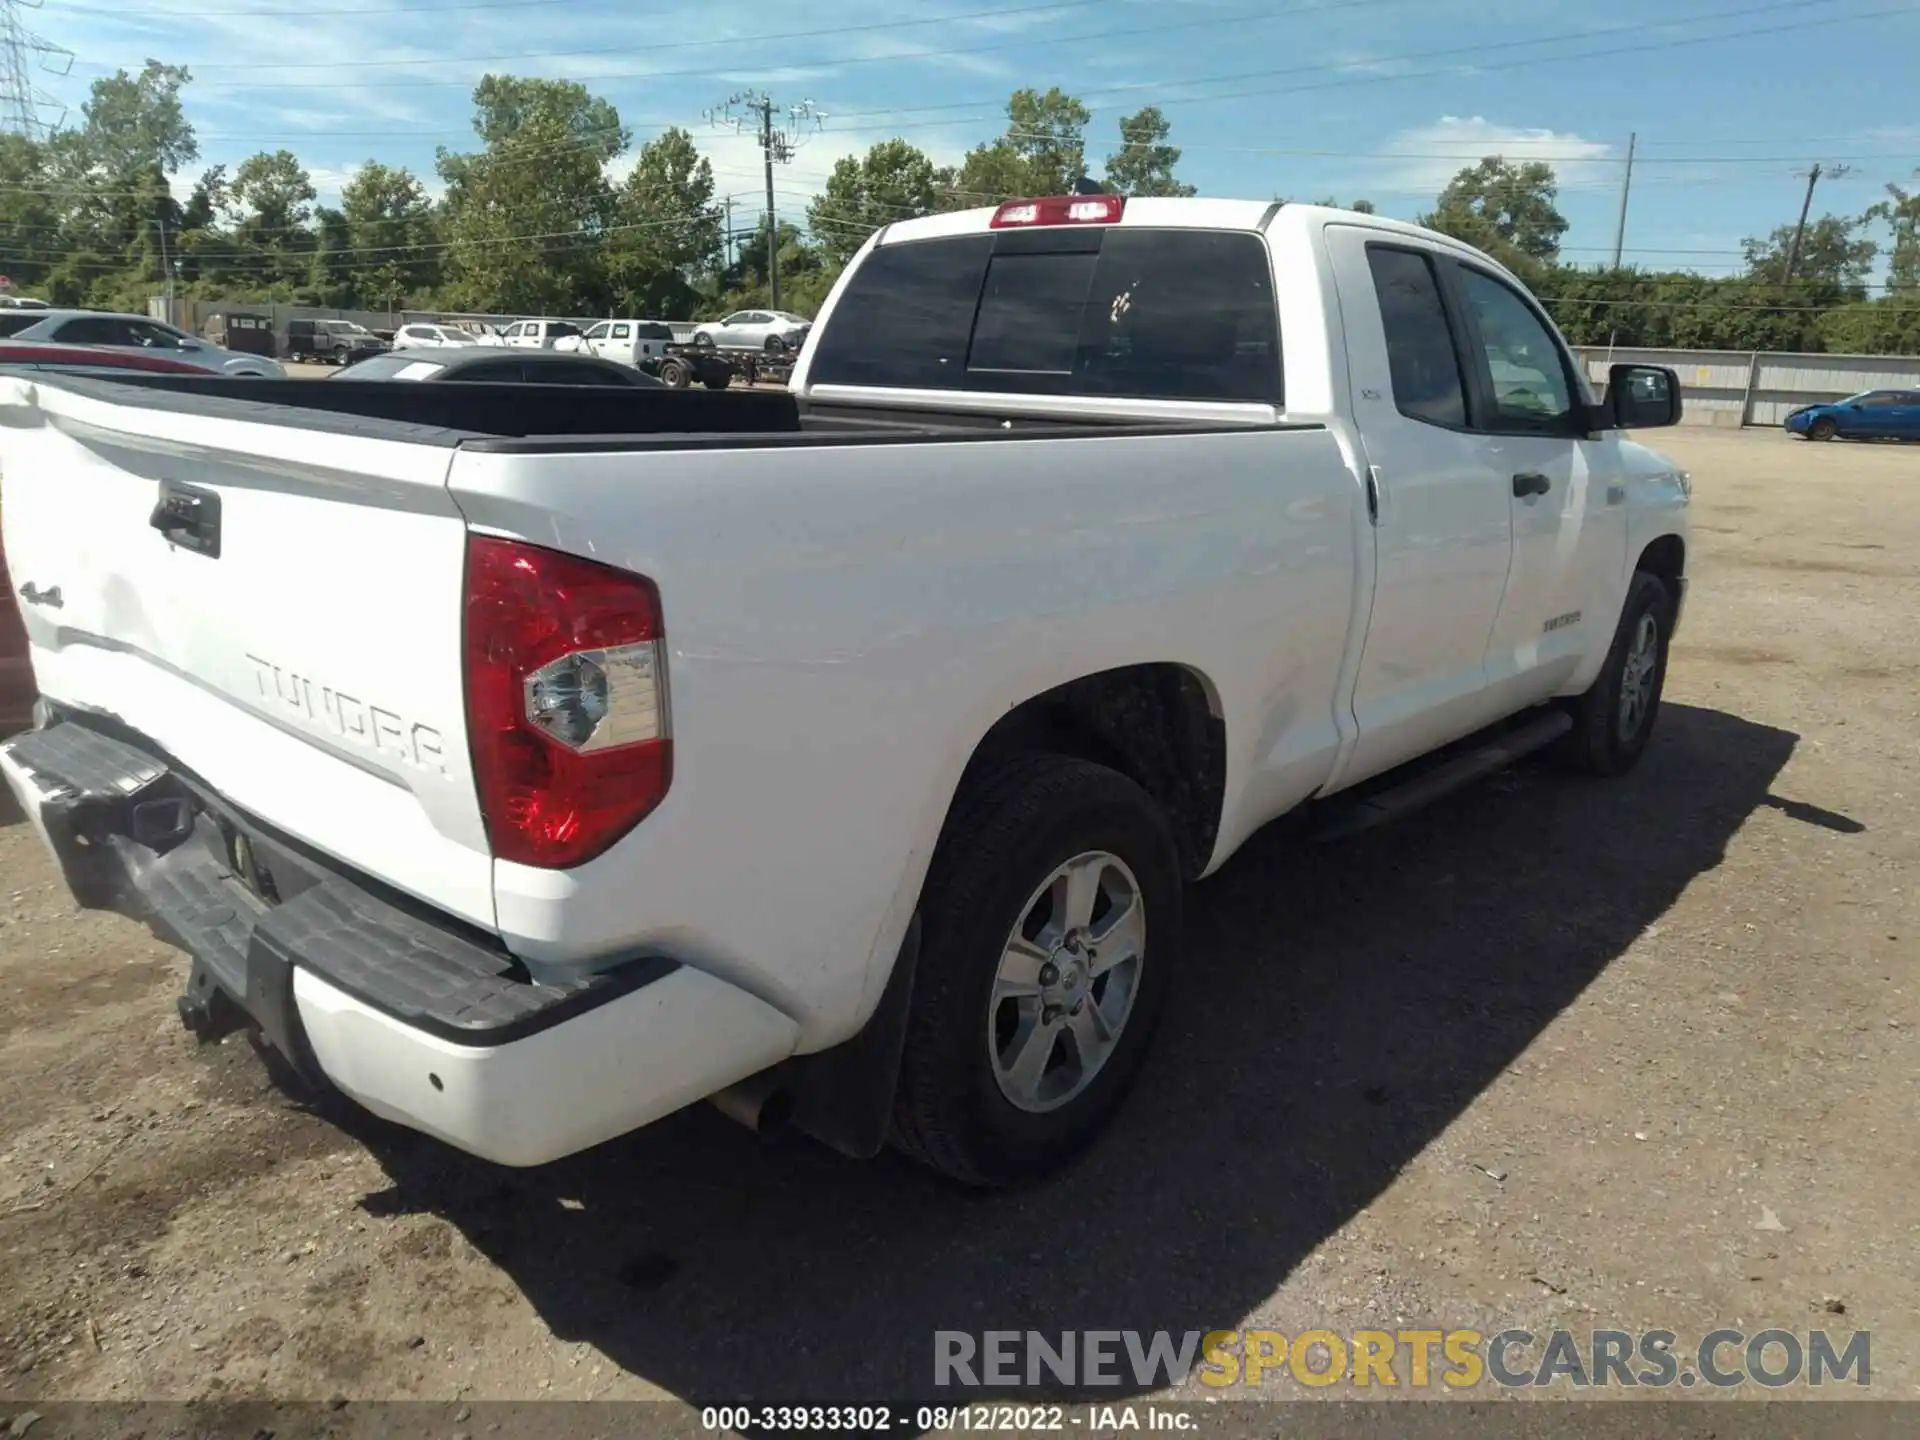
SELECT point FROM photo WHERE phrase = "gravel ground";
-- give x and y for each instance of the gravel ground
(1636, 1054)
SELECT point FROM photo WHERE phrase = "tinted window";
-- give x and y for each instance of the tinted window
(1424, 365)
(16, 322)
(1152, 314)
(93, 330)
(492, 372)
(561, 328)
(1530, 389)
(1880, 398)
(653, 332)
(571, 372)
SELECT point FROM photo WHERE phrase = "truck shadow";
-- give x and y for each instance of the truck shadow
(1342, 1006)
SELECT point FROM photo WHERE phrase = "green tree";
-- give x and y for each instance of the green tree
(1143, 165)
(667, 232)
(892, 181)
(134, 123)
(526, 216)
(389, 234)
(1042, 152)
(1900, 213)
(271, 201)
(1505, 208)
(806, 275)
(1834, 251)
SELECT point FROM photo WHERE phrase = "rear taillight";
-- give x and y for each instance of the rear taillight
(1060, 210)
(566, 701)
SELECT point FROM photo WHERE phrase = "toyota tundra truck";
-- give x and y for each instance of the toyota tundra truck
(528, 762)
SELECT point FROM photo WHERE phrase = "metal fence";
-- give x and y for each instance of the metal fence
(1732, 388)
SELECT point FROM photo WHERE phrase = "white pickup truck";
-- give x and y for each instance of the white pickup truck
(528, 763)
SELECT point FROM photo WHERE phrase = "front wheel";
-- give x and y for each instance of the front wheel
(1613, 720)
(1822, 429)
(775, 345)
(1051, 931)
(704, 340)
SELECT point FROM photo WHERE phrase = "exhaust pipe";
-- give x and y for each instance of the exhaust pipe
(759, 1102)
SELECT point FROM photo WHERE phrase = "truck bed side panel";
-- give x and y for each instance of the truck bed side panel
(844, 624)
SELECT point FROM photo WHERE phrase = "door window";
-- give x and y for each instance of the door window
(94, 330)
(623, 331)
(1421, 357)
(1525, 368)
(599, 332)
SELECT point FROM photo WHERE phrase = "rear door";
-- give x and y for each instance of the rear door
(296, 642)
(1443, 528)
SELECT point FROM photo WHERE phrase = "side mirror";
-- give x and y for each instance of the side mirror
(1642, 397)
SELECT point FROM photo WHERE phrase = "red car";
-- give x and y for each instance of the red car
(16, 673)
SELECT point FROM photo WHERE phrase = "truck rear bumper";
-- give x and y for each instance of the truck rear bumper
(420, 1019)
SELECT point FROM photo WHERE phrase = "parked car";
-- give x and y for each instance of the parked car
(538, 334)
(137, 332)
(1870, 415)
(421, 336)
(16, 357)
(477, 364)
(770, 330)
(331, 342)
(21, 302)
(839, 754)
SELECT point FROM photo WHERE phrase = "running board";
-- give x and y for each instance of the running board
(1350, 817)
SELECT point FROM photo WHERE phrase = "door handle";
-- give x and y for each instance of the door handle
(1531, 482)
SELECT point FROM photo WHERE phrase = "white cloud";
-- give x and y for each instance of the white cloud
(1421, 160)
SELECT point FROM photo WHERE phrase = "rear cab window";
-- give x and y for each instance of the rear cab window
(1116, 312)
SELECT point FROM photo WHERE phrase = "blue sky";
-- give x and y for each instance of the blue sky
(1382, 98)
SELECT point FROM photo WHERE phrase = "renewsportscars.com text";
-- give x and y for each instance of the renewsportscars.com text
(1408, 1359)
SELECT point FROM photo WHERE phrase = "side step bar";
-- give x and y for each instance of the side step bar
(1345, 818)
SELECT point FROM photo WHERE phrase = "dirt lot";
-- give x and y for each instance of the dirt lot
(1676, 1016)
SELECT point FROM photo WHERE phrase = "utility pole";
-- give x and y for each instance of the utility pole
(1800, 230)
(729, 232)
(166, 264)
(777, 143)
(1626, 187)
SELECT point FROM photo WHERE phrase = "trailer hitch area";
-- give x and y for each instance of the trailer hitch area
(207, 1010)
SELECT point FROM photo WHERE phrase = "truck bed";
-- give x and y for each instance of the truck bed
(523, 417)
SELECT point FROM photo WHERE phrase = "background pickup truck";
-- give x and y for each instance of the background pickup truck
(528, 762)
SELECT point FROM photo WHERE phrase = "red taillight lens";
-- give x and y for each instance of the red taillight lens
(566, 701)
(1060, 210)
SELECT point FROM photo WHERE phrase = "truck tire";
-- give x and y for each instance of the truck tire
(718, 381)
(1050, 935)
(1613, 720)
(674, 375)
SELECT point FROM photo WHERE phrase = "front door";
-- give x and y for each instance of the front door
(1566, 583)
(1442, 518)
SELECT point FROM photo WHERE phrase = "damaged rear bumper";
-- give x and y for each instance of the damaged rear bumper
(416, 1016)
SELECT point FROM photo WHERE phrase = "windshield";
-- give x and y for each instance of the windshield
(345, 327)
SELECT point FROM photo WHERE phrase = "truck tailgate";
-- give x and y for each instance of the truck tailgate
(278, 609)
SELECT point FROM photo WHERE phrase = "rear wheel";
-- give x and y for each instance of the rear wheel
(1822, 429)
(1613, 721)
(1051, 931)
(775, 345)
(674, 374)
(720, 381)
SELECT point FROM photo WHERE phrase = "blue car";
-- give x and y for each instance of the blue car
(1870, 415)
